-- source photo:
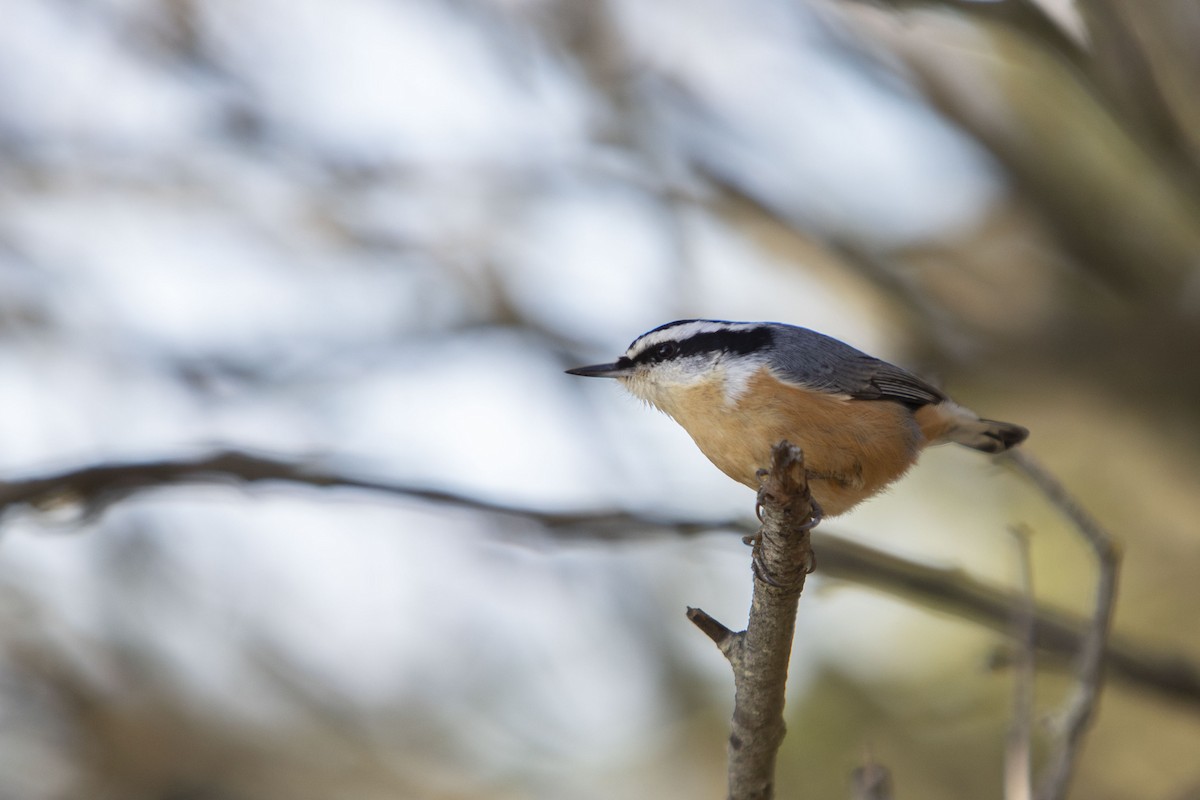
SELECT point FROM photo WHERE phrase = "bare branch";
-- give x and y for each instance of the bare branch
(759, 655)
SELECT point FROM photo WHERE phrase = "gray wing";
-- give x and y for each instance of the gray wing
(823, 363)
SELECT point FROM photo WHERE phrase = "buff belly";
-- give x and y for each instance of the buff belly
(852, 448)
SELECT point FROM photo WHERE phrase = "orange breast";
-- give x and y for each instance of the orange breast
(852, 448)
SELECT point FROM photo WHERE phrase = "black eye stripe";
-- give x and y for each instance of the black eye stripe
(664, 351)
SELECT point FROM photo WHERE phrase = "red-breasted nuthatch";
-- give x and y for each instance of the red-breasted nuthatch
(739, 388)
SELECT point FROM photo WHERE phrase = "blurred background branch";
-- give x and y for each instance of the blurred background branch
(1081, 705)
(93, 489)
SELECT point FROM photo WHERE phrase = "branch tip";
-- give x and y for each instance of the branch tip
(710, 627)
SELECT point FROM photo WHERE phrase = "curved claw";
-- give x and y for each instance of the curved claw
(758, 502)
(759, 567)
(816, 514)
(761, 573)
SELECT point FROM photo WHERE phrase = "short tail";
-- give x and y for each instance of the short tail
(990, 436)
(950, 422)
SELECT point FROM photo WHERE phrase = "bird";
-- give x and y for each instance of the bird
(739, 388)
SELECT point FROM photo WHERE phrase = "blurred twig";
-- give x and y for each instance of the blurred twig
(1081, 706)
(1026, 16)
(1111, 195)
(760, 654)
(1018, 754)
(871, 781)
(1143, 56)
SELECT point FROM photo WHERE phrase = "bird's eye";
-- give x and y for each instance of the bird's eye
(664, 351)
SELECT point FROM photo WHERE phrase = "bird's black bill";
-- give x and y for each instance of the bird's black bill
(613, 370)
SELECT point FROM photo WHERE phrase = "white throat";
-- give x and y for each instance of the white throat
(664, 384)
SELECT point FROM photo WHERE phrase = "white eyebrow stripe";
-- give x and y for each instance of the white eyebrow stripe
(686, 330)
